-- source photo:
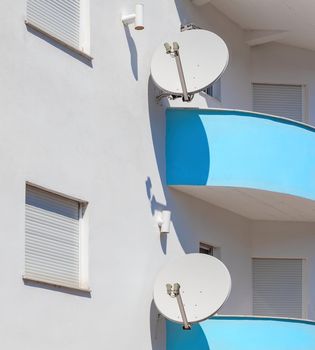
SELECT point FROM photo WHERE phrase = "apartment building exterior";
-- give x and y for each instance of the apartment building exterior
(90, 159)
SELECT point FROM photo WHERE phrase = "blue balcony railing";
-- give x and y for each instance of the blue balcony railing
(243, 333)
(241, 150)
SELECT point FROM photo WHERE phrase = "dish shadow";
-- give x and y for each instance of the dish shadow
(157, 329)
(179, 339)
(174, 200)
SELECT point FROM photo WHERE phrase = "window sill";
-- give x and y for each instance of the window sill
(62, 43)
(53, 285)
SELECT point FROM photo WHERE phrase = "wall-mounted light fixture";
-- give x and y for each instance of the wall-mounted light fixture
(136, 18)
(164, 221)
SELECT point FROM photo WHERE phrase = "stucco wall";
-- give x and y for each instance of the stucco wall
(95, 132)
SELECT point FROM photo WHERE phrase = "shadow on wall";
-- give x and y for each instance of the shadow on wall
(157, 329)
(192, 339)
(133, 52)
(59, 46)
(188, 154)
(183, 7)
(187, 12)
(174, 202)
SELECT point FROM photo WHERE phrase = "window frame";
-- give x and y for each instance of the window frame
(215, 250)
(214, 90)
(305, 280)
(206, 247)
(83, 249)
(84, 46)
(305, 118)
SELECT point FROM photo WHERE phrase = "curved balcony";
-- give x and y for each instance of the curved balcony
(243, 333)
(259, 166)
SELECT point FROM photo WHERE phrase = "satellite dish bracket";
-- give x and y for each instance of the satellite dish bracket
(172, 96)
(174, 292)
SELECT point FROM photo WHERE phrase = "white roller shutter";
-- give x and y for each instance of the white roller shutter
(52, 238)
(58, 18)
(277, 287)
(281, 100)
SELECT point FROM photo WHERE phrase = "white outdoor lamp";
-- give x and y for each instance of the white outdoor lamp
(136, 18)
(164, 221)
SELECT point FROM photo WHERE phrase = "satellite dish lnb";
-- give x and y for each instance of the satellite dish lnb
(189, 63)
(192, 288)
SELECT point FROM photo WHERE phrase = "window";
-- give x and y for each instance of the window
(278, 287)
(64, 21)
(55, 241)
(280, 100)
(214, 90)
(205, 248)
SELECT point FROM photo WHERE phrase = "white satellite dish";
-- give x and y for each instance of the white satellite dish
(193, 59)
(200, 282)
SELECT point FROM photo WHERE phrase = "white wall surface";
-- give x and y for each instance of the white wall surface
(97, 134)
(275, 63)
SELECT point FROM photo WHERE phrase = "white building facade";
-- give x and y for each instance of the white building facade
(82, 136)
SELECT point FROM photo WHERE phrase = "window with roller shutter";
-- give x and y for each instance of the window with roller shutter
(280, 100)
(278, 287)
(53, 239)
(67, 21)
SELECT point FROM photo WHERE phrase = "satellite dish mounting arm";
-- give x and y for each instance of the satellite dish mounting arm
(174, 292)
(175, 53)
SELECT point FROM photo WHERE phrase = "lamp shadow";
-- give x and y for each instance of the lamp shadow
(133, 52)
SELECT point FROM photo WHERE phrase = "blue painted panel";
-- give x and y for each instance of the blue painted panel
(240, 149)
(242, 333)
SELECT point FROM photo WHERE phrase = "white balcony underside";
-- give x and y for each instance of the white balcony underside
(292, 17)
(255, 204)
